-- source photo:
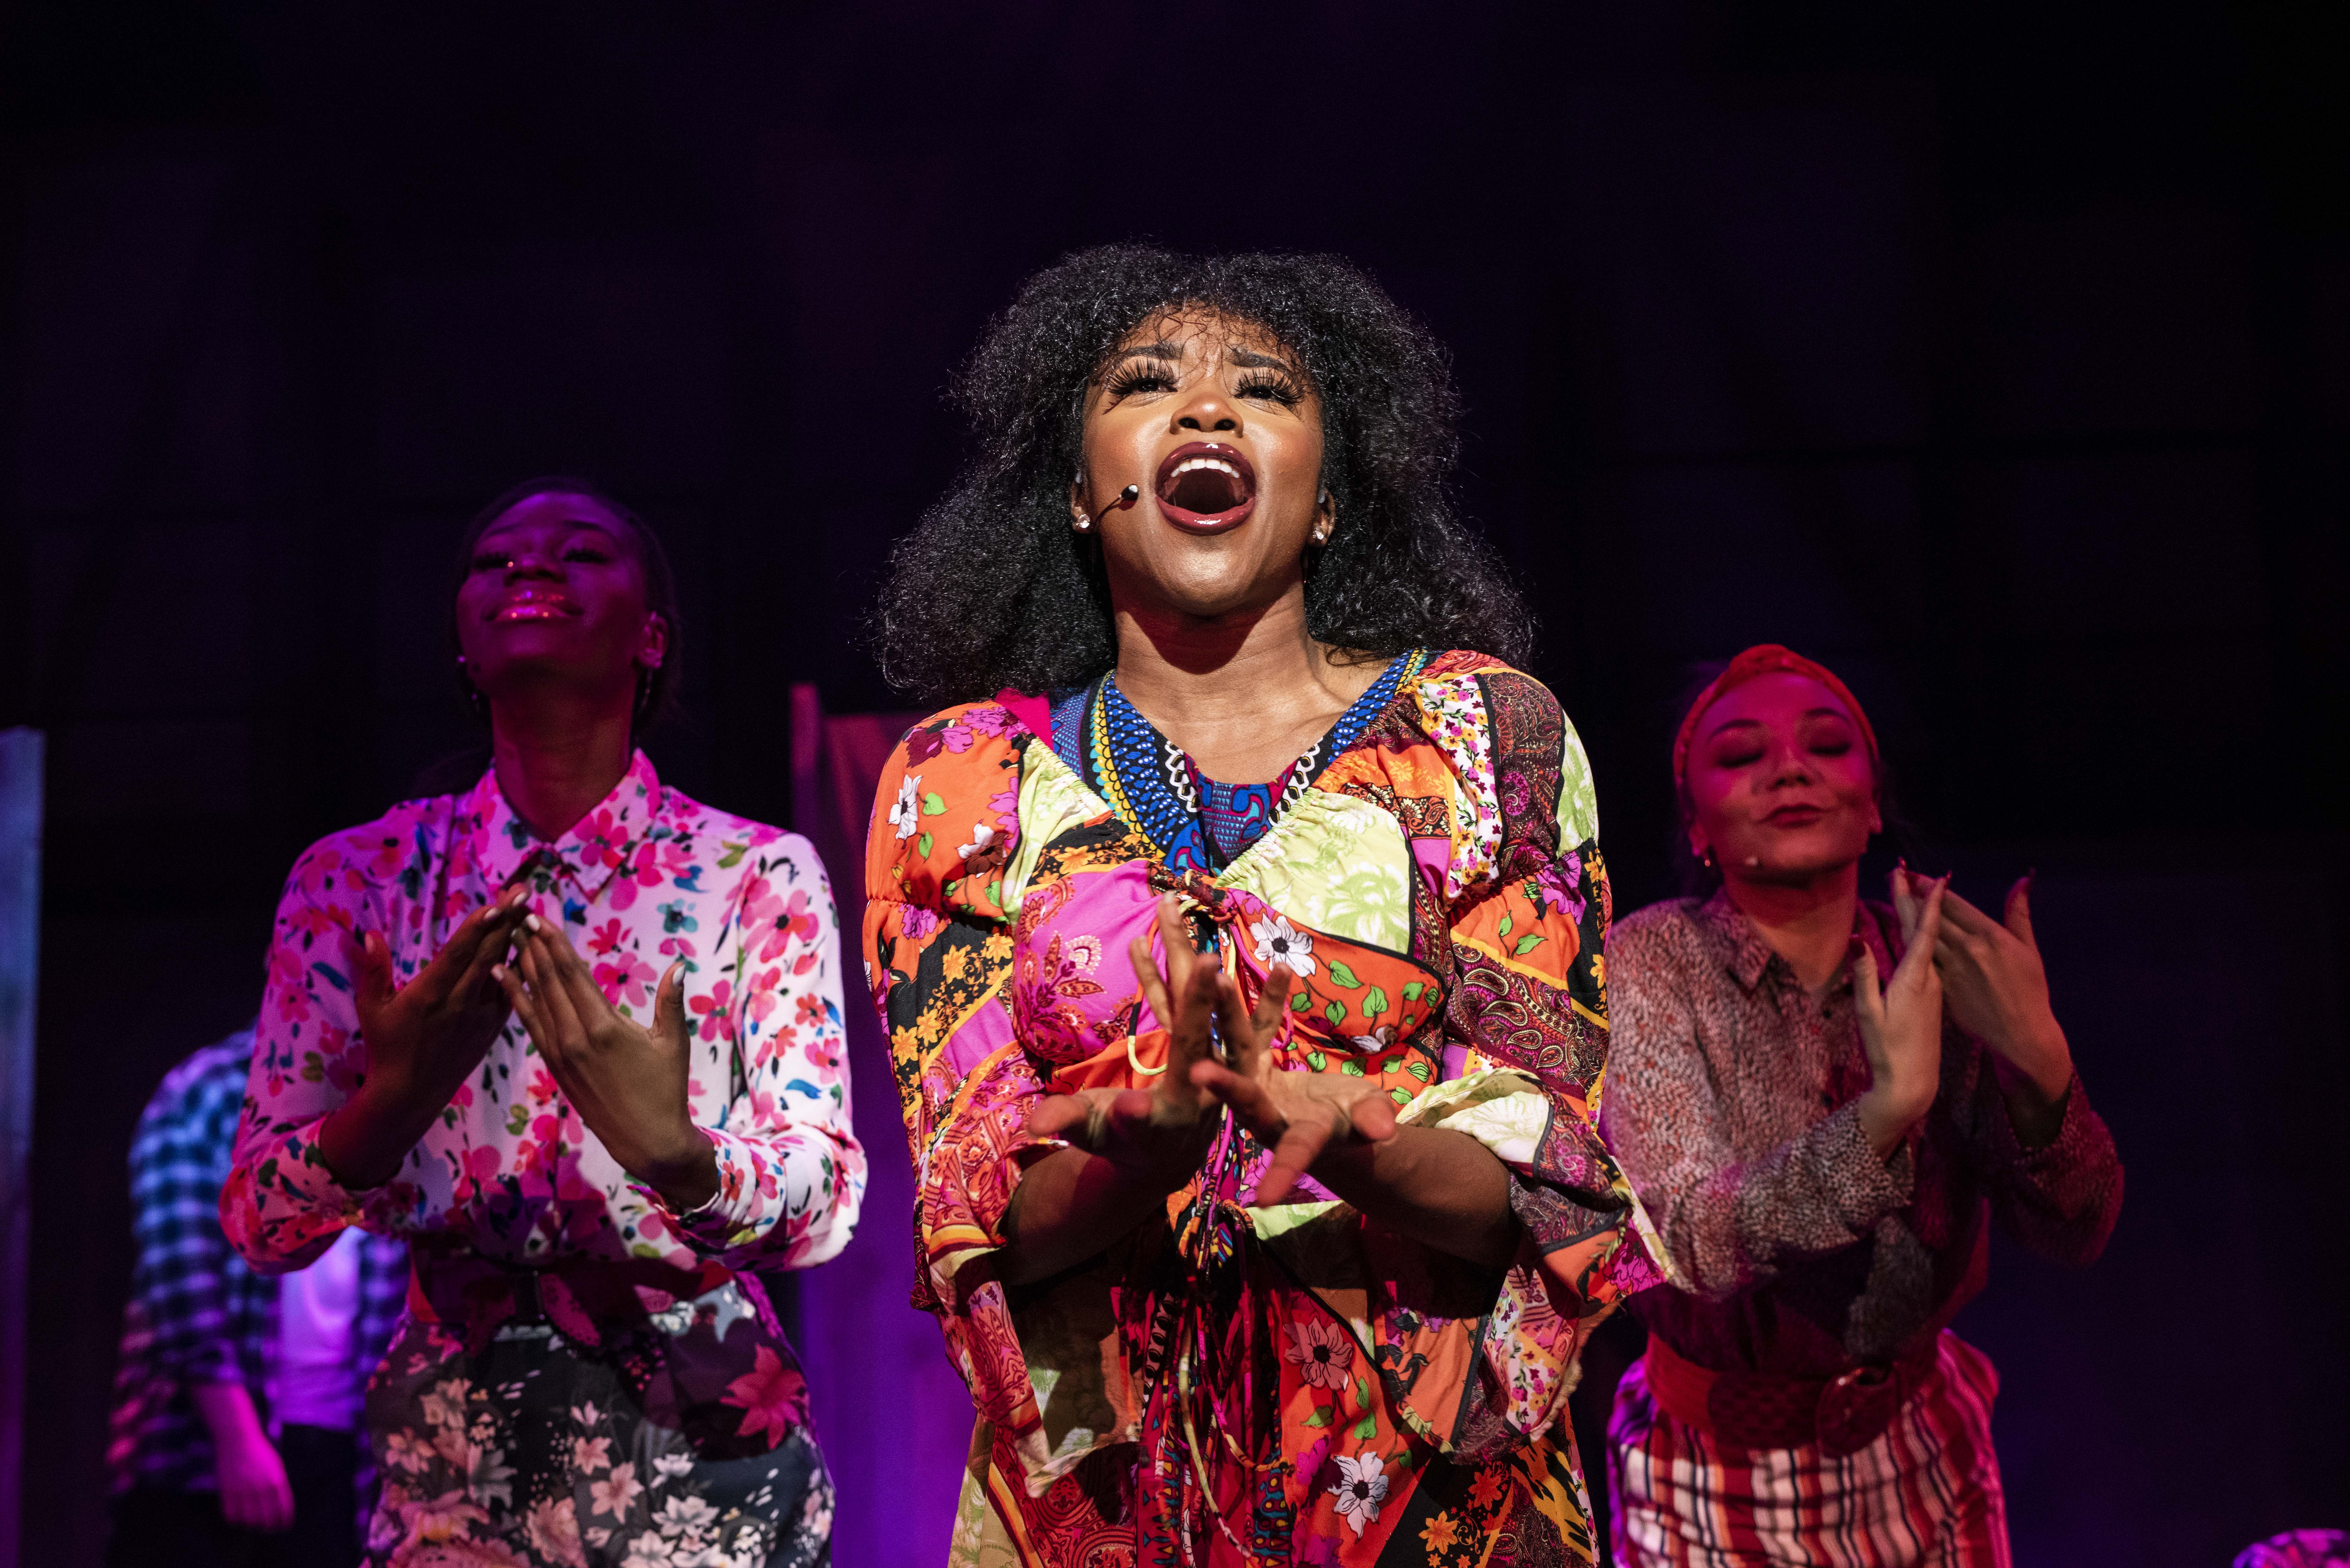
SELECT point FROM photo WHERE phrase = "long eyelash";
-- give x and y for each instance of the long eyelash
(1137, 376)
(1273, 388)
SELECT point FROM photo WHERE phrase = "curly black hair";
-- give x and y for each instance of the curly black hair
(994, 590)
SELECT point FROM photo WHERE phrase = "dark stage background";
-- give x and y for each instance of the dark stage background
(1998, 353)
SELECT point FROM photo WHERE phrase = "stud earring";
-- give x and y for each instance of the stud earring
(1083, 523)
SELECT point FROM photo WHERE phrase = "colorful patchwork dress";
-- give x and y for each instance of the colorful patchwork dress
(1237, 1385)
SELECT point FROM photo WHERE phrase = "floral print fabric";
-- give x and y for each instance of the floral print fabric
(1395, 1405)
(647, 878)
(682, 1443)
(511, 1186)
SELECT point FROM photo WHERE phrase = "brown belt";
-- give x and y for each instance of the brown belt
(1743, 1409)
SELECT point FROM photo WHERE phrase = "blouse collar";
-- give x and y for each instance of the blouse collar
(1746, 955)
(597, 845)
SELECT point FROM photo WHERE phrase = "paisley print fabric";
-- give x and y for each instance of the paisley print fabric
(1283, 1385)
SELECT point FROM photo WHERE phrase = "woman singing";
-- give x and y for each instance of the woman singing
(1237, 930)
(579, 1038)
(1820, 1148)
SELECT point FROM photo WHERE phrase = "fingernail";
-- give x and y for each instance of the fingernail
(532, 921)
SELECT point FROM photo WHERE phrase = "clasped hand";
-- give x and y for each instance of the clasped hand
(1160, 1134)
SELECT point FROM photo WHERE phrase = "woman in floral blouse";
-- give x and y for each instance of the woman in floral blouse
(1237, 929)
(579, 1038)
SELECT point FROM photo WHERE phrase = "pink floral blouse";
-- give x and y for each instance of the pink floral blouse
(510, 1171)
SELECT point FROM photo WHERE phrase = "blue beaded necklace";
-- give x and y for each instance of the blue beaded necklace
(1195, 823)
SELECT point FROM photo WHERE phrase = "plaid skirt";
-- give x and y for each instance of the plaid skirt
(1926, 1491)
(676, 1440)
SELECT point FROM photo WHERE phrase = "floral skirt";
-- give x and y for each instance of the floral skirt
(680, 1441)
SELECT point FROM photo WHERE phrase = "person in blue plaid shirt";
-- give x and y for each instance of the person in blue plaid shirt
(236, 1435)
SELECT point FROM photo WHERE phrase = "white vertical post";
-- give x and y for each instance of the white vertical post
(20, 950)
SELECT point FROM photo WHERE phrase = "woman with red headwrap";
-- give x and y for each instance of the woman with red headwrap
(1820, 1102)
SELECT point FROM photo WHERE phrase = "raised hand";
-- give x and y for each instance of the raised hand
(1901, 1024)
(423, 1040)
(431, 1032)
(1155, 1136)
(627, 1083)
(1300, 1116)
(1998, 988)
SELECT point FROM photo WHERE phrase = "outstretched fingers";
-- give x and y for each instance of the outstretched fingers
(566, 968)
(1300, 1144)
(1247, 1031)
(558, 1018)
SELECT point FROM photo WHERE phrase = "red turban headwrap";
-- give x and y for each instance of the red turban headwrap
(1766, 659)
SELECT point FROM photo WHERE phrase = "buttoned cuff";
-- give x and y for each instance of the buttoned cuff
(763, 1183)
(291, 1208)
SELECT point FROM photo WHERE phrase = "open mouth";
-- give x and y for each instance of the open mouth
(1206, 486)
(533, 606)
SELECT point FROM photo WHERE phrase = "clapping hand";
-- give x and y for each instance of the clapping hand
(427, 1037)
(627, 1083)
(1160, 1134)
(423, 1040)
(1901, 1024)
(1997, 989)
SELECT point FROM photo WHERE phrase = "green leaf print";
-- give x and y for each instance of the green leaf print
(1320, 1418)
(1317, 1060)
(1367, 1428)
(518, 1118)
(1336, 1012)
(932, 804)
(1413, 989)
(733, 856)
(1301, 1002)
(1340, 975)
(1527, 943)
(1507, 920)
(1418, 1070)
(1375, 1004)
(922, 846)
(1399, 1097)
(1351, 1067)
